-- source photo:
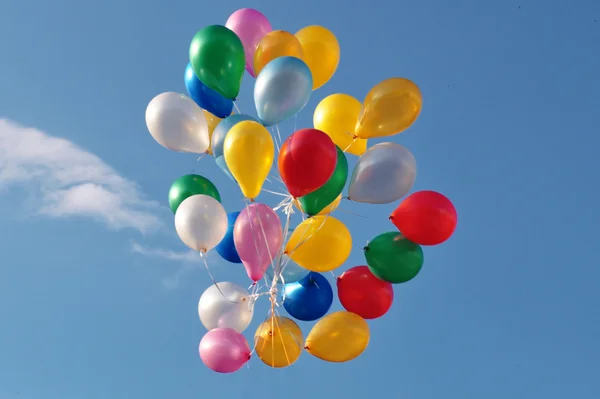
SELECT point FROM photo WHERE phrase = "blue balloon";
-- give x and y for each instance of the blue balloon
(206, 97)
(308, 299)
(282, 89)
(226, 247)
(291, 273)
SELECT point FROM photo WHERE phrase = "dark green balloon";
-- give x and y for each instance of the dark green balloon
(393, 258)
(189, 185)
(319, 199)
(217, 57)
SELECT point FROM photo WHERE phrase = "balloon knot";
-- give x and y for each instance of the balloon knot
(391, 217)
(252, 200)
(253, 283)
(366, 248)
(203, 250)
(306, 347)
(270, 333)
(249, 356)
(209, 151)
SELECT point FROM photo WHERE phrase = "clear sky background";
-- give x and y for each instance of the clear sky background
(98, 296)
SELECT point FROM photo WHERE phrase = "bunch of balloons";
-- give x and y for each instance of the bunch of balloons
(312, 165)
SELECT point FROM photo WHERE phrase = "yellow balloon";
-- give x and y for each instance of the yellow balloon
(320, 244)
(212, 122)
(338, 337)
(327, 210)
(275, 44)
(337, 115)
(321, 52)
(279, 342)
(390, 107)
(249, 151)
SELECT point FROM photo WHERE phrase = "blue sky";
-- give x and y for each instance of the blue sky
(98, 296)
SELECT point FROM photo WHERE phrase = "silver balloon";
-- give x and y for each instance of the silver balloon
(384, 173)
(225, 305)
(201, 222)
(177, 123)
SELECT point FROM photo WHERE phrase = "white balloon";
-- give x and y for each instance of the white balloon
(201, 222)
(225, 306)
(384, 173)
(177, 123)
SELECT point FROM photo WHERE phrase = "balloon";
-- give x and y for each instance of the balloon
(189, 185)
(275, 44)
(201, 222)
(217, 56)
(212, 122)
(278, 342)
(226, 305)
(218, 139)
(258, 237)
(308, 299)
(224, 350)
(393, 258)
(321, 53)
(307, 159)
(390, 107)
(282, 89)
(251, 26)
(226, 247)
(315, 202)
(338, 337)
(362, 293)
(320, 244)
(205, 97)
(425, 217)
(325, 211)
(249, 153)
(291, 272)
(336, 115)
(384, 173)
(177, 123)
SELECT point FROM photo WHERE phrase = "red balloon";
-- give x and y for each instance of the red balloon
(425, 218)
(362, 293)
(306, 161)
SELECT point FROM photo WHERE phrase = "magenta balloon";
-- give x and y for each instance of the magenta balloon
(257, 235)
(224, 350)
(251, 26)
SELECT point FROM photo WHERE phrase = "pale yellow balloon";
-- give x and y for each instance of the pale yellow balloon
(325, 211)
(321, 52)
(279, 342)
(249, 152)
(390, 107)
(337, 115)
(338, 337)
(320, 244)
(275, 44)
(212, 122)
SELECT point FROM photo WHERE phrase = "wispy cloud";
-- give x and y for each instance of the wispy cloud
(183, 256)
(70, 181)
(189, 261)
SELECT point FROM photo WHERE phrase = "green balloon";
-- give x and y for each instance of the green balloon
(393, 258)
(189, 185)
(315, 202)
(217, 57)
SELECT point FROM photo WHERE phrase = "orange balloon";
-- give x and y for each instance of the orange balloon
(275, 44)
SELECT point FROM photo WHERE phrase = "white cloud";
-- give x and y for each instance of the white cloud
(189, 261)
(70, 181)
(184, 256)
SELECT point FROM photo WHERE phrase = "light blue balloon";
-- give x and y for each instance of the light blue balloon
(291, 273)
(282, 89)
(218, 139)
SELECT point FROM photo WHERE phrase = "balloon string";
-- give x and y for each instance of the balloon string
(202, 256)
(236, 107)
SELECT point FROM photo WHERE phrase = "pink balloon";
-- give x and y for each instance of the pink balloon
(224, 350)
(251, 26)
(257, 235)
